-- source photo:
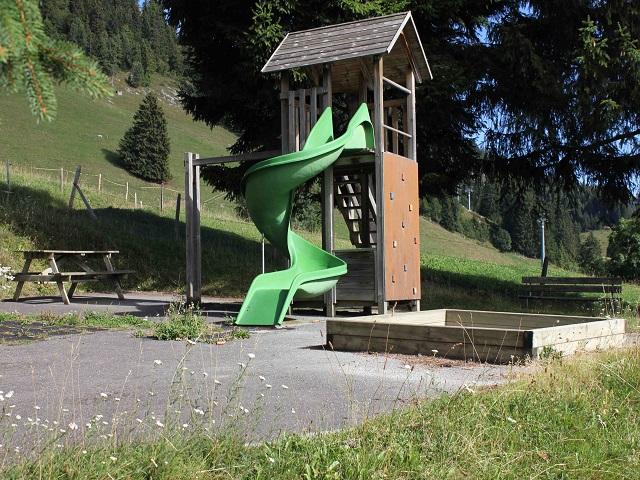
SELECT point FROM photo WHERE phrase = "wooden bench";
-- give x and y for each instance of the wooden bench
(77, 258)
(572, 289)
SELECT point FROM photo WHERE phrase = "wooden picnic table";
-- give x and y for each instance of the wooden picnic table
(65, 258)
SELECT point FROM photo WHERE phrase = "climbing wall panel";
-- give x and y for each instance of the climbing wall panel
(401, 228)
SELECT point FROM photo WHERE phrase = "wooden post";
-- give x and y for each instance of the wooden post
(378, 119)
(8, 169)
(188, 199)
(99, 182)
(284, 114)
(76, 187)
(313, 108)
(76, 180)
(291, 141)
(327, 199)
(161, 197)
(135, 200)
(177, 222)
(302, 116)
(126, 192)
(262, 252)
(61, 180)
(410, 128)
(196, 235)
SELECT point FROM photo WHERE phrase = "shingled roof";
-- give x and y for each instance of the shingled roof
(351, 40)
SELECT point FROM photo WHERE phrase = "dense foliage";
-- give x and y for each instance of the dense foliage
(590, 256)
(144, 149)
(118, 34)
(510, 215)
(624, 249)
(32, 62)
(550, 86)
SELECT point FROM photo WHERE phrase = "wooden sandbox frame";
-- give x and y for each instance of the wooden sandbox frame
(496, 337)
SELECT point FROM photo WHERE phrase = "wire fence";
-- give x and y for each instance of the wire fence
(135, 194)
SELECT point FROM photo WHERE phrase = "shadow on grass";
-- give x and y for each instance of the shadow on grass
(146, 242)
(112, 157)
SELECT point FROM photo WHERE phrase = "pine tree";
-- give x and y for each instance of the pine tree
(144, 149)
(32, 62)
(590, 256)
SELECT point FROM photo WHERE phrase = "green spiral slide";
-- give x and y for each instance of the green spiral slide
(269, 188)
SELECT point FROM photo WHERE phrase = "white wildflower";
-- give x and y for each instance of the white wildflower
(199, 411)
(159, 423)
(73, 426)
(103, 395)
(262, 378)
(113, 459)
(268, 385)
(511, 420)
(284, 387)
(251, 355)
(157, 362)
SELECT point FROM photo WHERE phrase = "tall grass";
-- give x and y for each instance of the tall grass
(572, 419)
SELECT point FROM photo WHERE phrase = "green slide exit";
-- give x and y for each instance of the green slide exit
(269, 188)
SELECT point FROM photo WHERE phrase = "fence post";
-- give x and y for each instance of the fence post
(126, 193)
(8, 165)
(61, 180)
(177, 222)
(76, 179)
(263, 263)
(135, 200)
(161, 197)
(99, 182)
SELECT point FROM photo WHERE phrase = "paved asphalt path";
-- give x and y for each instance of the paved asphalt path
(275, 381)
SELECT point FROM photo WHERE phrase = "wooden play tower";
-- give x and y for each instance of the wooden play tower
(377, 61)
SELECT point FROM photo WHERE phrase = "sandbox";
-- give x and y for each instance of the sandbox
(497, 337)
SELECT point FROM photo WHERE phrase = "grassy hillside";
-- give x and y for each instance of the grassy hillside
(87, 133)
(457, 271)
(602, 236)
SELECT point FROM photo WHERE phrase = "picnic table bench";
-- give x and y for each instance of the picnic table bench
(78, 259)
(572, 289)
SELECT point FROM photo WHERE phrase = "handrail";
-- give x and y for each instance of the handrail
(396, 85)
(396, 130)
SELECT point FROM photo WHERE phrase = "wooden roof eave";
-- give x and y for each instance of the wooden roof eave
(412, 60)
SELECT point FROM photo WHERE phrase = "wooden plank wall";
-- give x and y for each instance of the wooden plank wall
(401, 228)
(359, 283)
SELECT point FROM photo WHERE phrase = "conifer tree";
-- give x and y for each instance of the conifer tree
(144, 149)
(32, 62)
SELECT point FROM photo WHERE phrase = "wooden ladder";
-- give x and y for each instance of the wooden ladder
(355, 200)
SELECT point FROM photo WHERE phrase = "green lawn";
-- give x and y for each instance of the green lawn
(87, 132)
(457, 271)
(576, 418)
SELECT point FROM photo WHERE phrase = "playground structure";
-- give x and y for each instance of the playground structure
(376, 62)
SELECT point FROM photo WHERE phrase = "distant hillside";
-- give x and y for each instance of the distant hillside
(87, 132)
(602, 236)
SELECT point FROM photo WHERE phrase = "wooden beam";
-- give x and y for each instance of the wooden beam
(292, 121)
(378, 122)
(243, 157)
(411, 116)
(302, 116)
(327, 197)
(313, 109)
(284, 119)
(188, 200)
(197, 247)
(388, 81)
